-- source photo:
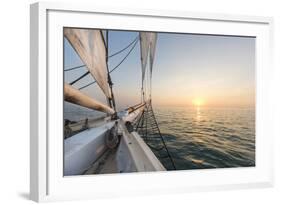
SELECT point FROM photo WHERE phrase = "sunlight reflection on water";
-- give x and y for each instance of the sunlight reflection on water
(201, 137)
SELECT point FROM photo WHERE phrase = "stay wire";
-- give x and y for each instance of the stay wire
(163, 141)
(114, 54)
(82, 76)
(74, 68)
(120, 51)
(114, 67)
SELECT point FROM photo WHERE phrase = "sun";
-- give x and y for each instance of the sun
(198, 102)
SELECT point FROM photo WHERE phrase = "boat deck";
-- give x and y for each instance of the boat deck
(106, 164)
(131, 155)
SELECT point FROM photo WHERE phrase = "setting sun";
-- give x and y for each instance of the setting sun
(198, 102)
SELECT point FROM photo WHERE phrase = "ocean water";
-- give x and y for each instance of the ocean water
(200, 138)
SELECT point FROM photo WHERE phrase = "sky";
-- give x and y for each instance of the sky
(189, 69)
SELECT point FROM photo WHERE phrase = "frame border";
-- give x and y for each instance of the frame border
(39, 188)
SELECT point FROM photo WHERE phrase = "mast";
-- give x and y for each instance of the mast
(111, 101)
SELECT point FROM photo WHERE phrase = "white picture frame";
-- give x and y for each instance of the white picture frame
(46, 179)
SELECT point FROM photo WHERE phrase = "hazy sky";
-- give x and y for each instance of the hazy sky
(215, 70)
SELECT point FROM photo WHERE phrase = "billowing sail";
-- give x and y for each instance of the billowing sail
(144, 47)
(153, 39)
(148, 45)
(90, 46)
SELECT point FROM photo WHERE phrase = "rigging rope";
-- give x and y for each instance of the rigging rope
(82, 76)
(73, 68)
(120, 51)
(152, 132)
(114, 54)
(115, 66)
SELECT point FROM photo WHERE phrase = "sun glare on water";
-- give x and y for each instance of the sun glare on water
(198, 102)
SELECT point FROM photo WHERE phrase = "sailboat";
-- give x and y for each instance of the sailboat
(123, 141)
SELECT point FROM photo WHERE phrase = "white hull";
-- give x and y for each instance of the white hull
(134, 155)
(82, 149)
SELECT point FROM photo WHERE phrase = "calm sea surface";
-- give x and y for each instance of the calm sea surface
(208, 137)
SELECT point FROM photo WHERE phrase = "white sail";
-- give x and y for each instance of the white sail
(148, 46)
(153, 39)
(90, 46)
(144, 46)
